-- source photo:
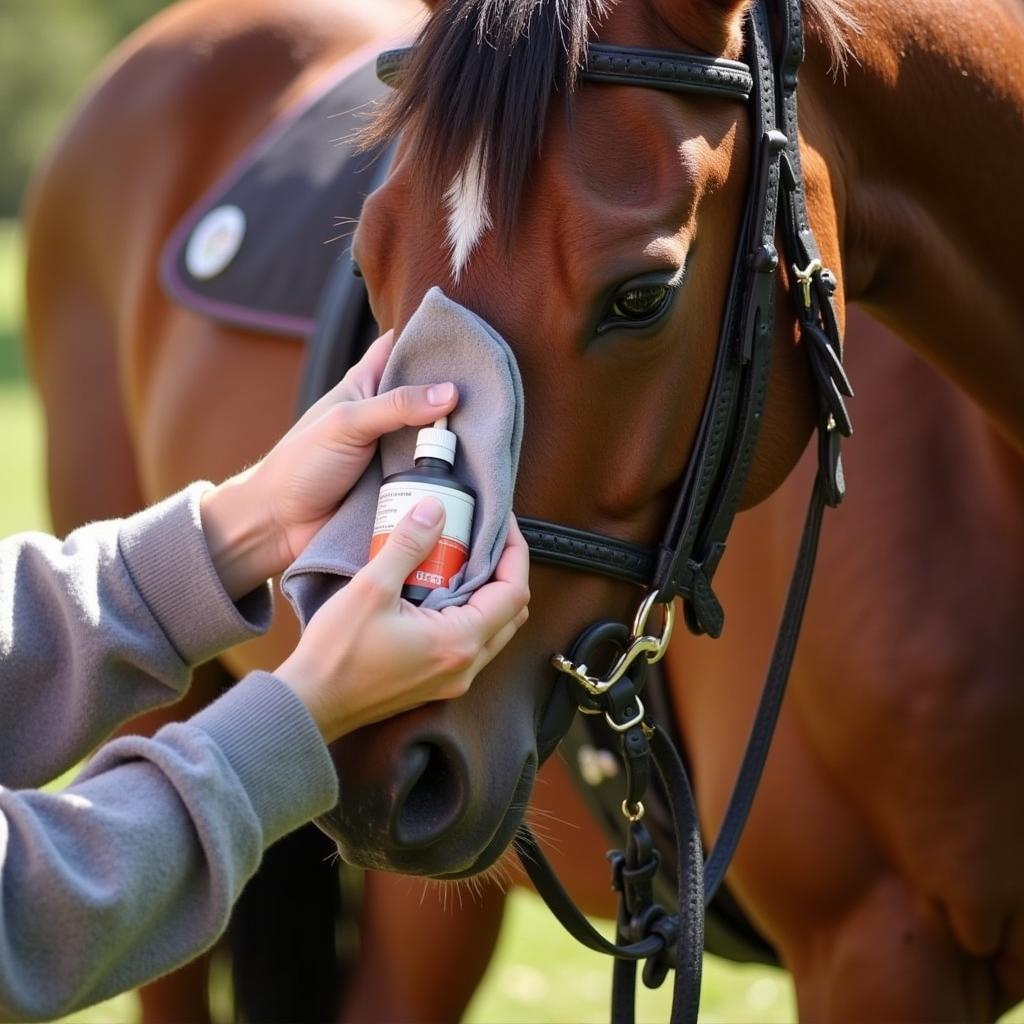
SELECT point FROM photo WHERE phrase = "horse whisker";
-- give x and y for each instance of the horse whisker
(338, 238)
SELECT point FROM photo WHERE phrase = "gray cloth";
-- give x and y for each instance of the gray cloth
(442, 341)
(132, 870)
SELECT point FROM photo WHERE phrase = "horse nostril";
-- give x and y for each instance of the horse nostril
(435, 791)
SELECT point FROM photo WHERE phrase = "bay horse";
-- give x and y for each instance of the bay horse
(880, 857)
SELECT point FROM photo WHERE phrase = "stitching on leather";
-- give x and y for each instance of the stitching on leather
(590, 553)
(680, 71)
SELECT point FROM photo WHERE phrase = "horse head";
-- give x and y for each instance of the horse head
(595, 226)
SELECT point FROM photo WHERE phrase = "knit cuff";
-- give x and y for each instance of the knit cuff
(166, 554)
(275, 749)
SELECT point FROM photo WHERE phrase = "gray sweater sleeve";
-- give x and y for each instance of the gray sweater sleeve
(131, 871)
(104, 625)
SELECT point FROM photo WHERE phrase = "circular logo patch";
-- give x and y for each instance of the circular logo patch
(215, 242)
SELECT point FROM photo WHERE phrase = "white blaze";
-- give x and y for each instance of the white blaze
(469, 216)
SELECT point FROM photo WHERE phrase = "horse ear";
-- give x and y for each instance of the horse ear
(712, 25)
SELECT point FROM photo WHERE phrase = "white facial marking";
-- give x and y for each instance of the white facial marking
(469, 216)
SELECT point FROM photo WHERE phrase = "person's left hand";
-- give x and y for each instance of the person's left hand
(257, 522)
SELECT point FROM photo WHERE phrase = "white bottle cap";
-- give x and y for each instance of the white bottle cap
(436, 442)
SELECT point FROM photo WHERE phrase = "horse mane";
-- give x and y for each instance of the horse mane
(474, 98)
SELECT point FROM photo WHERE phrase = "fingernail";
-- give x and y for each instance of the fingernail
(440, 394)
(428, 512)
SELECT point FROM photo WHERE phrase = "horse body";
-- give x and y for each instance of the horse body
(882, 843)
(880, 855)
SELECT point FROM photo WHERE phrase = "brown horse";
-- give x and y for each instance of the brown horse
(880, 857)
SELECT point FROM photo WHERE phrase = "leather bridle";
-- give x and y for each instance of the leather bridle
(683, 564)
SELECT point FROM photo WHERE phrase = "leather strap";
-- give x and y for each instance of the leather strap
(819, 326)
(632, 65)
(696, 889)
(700, 522)
(774, 689)
(578, 549)
(668, 71)
(687, 944)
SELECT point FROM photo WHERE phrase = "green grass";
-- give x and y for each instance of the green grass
(23, 506)
(541, 975)
(12, 366)
(22, 499)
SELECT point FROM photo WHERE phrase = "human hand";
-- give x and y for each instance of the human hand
(256, 523)
(367, 654)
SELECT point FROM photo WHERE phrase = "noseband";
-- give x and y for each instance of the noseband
(682, 565)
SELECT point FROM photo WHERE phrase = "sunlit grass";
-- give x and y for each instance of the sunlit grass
(23, 502)
(541, 975)
(11, 303)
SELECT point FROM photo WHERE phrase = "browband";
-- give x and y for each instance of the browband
(633, 65)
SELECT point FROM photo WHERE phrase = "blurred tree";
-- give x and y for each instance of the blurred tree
(48, 49)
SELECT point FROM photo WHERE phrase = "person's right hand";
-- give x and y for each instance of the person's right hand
(367, 654)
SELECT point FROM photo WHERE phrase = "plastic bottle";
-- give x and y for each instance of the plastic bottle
(432, 474)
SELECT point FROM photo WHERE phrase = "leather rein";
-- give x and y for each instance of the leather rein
(684, 562)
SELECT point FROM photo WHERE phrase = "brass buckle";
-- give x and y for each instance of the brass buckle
(633, 814)
(640, 643)
(806, 276)
(626, 726)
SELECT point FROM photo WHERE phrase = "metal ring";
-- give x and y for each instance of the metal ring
(626, 726)
(640, 644)
(640, 624)
(634, 815)
(640, 619)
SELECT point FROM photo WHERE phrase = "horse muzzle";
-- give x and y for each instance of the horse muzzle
(419, 795)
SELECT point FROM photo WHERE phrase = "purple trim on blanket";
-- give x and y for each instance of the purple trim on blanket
(178, 288)
(241, 316)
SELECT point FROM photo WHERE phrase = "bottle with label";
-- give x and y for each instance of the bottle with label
(432, 475)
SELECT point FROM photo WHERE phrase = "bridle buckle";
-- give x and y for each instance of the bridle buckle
(806, 276)
(640, 644)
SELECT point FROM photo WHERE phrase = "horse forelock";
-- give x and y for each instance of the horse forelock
(474, 99)
(473, 103)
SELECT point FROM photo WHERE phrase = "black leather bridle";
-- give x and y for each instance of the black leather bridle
(683, 564)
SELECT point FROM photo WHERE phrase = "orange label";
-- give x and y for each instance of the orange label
(437, 569)
(452, 550)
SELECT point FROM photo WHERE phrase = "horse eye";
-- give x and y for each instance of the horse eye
(641, 303)
(356, 271)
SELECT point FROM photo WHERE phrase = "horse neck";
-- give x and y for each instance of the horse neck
(924, 145)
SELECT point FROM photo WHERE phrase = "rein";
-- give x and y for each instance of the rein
(683, 564)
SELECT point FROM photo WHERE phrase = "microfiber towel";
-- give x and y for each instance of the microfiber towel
(442, 341)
